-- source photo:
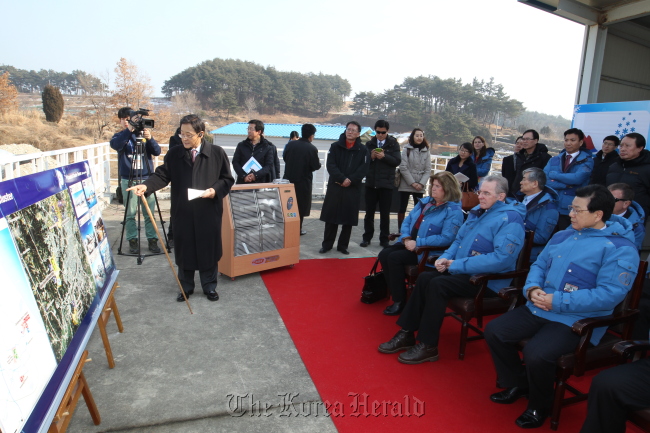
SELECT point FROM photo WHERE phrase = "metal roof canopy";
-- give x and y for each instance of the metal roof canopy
(323, 132)
(616, 31)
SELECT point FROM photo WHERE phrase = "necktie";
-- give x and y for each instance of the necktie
(567, 161)
(194, 152)
(380, 144)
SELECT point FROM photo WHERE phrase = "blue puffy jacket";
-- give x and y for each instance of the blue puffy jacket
(489, 242)
(483, 165)
(566, 184)
(636, 217)
(588, 272)
(439, 226)
(541, 216)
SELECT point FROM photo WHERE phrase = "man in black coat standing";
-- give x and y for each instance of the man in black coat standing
(532, 154)
(197, 223)
(347, 165)
(604, 159)
(300, 161)
(633, 168)
(264, 153)
(174, 140)
(509, 164)
(380, 181)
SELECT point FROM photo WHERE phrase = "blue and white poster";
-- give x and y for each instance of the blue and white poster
(598, 121)
(55, 252)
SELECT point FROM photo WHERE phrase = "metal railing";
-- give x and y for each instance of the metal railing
(103, 164)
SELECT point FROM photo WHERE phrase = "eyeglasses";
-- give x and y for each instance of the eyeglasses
(616, 200)
(483, 193)
(463, 150)
(572, 209)
(187, 135)
(352, 130)
(381, 132)
(526, 139)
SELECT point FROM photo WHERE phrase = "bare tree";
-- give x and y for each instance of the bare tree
(250, 106)
(8, 94)
(132, 88)
(99, 97)
(185, 103)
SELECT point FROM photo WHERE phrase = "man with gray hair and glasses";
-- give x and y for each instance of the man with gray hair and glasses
(488, 241)
(541, 207)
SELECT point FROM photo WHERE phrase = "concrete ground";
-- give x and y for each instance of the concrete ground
(229, 367)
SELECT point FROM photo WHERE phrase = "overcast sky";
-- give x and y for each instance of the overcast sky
(373, 44)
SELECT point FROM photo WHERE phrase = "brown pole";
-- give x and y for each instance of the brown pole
(171, 265)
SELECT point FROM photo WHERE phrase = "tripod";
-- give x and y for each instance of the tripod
(139, 164)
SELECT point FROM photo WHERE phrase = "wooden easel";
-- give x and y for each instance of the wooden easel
(109, 307)
(77, 387)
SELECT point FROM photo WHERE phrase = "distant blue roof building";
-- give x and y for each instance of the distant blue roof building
(323, 132)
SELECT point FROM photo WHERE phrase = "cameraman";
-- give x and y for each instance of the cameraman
(124, 143)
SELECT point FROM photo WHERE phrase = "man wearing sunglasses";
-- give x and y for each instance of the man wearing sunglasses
(626, 207)
(380, 181)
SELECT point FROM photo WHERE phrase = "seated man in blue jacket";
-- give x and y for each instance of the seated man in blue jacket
(568, 171)
(488, 241)
(584, 271)
(541, 207)
(626, 207)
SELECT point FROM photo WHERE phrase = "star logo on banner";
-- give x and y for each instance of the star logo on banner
(623, 128)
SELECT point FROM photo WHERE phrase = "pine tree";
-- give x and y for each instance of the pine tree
(52, 103)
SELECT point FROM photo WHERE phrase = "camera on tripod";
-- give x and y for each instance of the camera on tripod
(138, 122)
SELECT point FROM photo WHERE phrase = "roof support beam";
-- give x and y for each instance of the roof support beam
(592, 64)
(578, 12)
(627, 12)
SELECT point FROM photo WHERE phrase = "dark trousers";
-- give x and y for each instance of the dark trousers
(548, 341)
(404, 199)
(613, 393)
(393, 260)
(330, 236)
(383, 196)
(425, 309)
(208, 280)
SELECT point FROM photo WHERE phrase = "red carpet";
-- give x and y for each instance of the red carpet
(337, 337)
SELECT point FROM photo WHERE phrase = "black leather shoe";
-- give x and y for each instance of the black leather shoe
(395, 309)
(180, 298)
(384, 244)
(403, 340)
(303, 232)
(364, 244)
(343, 251)
(418, 354)
(213, 296)
(133, 246)
(324, 250)
(531, 419)
(509, 395)
(170, 243)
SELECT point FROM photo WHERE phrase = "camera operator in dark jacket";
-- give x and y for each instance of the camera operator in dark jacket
(261, 149)
(380, 181)
(124, 142)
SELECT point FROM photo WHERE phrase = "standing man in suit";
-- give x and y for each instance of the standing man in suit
(197, 223)
(380, 181)
(509, 164)
(300, 161)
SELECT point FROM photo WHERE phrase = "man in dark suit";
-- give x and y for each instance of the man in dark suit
(633, 168)
(509, 164)
(197, 223)
(300, 161)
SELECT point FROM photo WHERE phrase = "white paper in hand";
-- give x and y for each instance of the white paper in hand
(460, 177)
(194, 193)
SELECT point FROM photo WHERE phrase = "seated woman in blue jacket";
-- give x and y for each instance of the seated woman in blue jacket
(482, 156)
(464, 163)
(434, 221)
(584, 271)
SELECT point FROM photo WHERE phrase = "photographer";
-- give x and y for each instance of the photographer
(124, 142)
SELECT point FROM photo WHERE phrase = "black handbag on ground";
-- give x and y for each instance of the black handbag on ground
(374, 286)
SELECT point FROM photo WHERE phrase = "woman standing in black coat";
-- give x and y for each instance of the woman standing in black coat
(463, 163)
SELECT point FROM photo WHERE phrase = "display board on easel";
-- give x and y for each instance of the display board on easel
(57, 270)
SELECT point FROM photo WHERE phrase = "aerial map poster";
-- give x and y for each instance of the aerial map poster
(54, 252)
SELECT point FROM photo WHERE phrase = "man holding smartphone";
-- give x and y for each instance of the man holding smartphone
(384, 157)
